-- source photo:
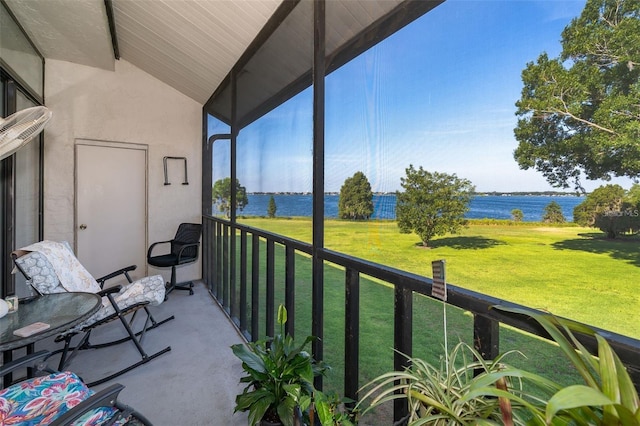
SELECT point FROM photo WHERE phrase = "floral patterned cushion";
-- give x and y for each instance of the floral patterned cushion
(41, 400)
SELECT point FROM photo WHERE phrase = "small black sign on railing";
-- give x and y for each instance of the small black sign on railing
(439, 287)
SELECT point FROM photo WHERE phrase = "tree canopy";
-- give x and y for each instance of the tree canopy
(221, 193)
(356, 199)
(517, 215)
(432, 203)
(605, 198)
(611, 209)
(553, 213)
(271, 207)
(579, 114)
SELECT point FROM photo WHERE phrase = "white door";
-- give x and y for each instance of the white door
(111, 207)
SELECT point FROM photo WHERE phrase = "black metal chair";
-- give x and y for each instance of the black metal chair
(184, 250)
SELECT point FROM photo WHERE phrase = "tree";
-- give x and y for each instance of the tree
(580, 113)
(614, 223)
(517, 215)
(221, 193)
(607, 198)
(633, 196)
(271, 207)
(432, 203)
(611, 209)
(356, 199)
(553, 213)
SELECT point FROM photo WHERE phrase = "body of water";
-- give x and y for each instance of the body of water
(490, 206)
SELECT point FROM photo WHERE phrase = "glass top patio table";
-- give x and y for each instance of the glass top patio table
(61, 311)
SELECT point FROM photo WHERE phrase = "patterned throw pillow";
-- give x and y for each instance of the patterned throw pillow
(42, 276)
(70, 272)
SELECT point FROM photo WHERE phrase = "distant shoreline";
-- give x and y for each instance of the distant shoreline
(479, 194)
(493, 205)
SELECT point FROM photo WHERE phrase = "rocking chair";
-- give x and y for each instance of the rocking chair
(51, 267)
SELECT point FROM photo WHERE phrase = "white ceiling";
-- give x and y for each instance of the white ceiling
(190, 45)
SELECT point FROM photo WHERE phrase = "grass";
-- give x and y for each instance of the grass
(570, 271)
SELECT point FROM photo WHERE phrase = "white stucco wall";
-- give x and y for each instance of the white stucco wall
(130, 106)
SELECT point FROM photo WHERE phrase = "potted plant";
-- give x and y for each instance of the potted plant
(607, 396)
(440, 394)
(501, 394)
(279, 377)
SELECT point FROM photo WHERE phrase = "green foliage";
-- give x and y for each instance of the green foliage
(221, 194)
(611, 209)
(441, 395)
(607, 397)
(271, 207)
(553, 213)
(615, 223)
(330, 410)
(633, 196)
(517, 215)
(279, 376)
(580, 113)
(356, 199)
(474, 391)
(602, 199)
(432, 203)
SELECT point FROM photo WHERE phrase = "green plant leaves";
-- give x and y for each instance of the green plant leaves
(440, 394)
(279, 375)
(323, 410)
(257, 402)
(608, 395)
(454, 393)
(282, 315)
(250, 358)
(574, 397)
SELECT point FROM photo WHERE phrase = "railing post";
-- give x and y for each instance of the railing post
(233, 297)
(486, 336)
(225, 268)
(255, 287)
(219, 255)
(351, 334)
(211, 247)
(243, 281)
(290, 289)
(403, 341)
(206, 251)
(270, 288)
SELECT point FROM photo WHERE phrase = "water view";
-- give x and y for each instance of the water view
(489, 206)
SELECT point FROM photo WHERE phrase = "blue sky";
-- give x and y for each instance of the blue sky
(439, 93)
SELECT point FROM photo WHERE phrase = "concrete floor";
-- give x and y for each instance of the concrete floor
(193, 384)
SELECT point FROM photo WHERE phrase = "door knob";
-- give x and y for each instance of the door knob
(83, 226)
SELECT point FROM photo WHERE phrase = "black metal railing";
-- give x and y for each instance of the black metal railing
(231, 280)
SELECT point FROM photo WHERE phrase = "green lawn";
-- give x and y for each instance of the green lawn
(570, 271)
(542, 267)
